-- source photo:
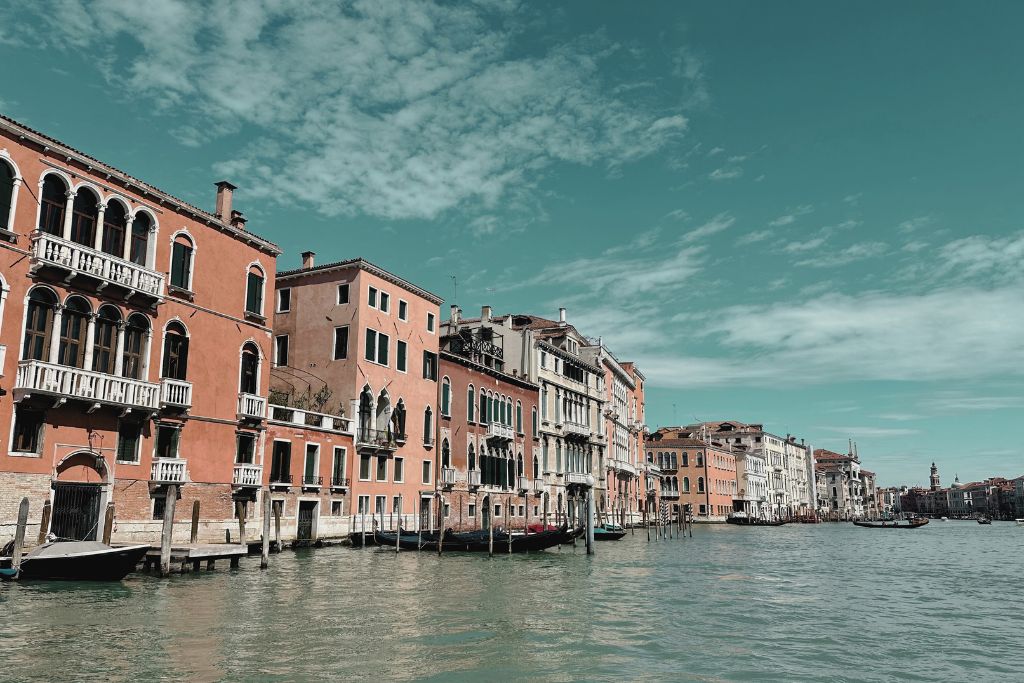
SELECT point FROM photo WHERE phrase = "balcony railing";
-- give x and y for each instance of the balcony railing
(669, 493)
(622, 466)
(499, 431)
(339, 482)
(63, 380)
(523, 483)
(308, 418)
(50, 250)
(576, 477)
(448, 476)
(251, 406)
(247, 475)
(312, 481)
(539, 485)
(473, 478)
(175, 393)
(576, 428)
(376, 440)
(280, 478)
(169, 471)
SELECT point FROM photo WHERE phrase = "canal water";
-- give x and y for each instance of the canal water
(795, 603)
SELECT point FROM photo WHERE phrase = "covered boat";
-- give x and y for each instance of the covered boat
(80, 561)
(742, 519)
(912, 523)
(608, 532)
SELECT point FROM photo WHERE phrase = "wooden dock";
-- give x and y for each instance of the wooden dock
(191, 556)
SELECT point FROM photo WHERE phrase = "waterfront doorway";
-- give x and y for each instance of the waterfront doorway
(76, 511)
(307, 514)
(485, 513)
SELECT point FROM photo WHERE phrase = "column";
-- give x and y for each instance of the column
(126, 252)
(58, 316)
(119, 349)
(69, 208)
(144, 370)
(90, 340)
(97, 242)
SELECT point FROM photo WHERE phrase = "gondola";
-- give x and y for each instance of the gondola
(79, 561)
(913, 523)
(477, 541)
(608, 532)
(753, 521)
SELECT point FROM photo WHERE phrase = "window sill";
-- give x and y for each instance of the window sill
(128, 462)
(181, 293)
(24, 454)
(256, 317)
(8, 236)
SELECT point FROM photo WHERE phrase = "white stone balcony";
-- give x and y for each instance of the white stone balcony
(669, 493)
(523, 483)
(499, 431)
(576, 429)
(39, 377)
(251, 407)
(76, 259)
(577, 478)
(308, 418)
(473, 478)
(247, 476)
(175, 393)
(539, 485)
(448, 477)
(622, 466)
(169, 471)
(379, 441)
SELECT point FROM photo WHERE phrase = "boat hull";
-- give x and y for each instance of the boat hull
(111, 565)
(603, 535)
(747, 521)
(476, 541)
(912, 524)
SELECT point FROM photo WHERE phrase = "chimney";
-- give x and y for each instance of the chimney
(307, 259)
(455, 314)
(561, 316)
(224, 192)
(485, 314)
(508, 321)
(237, 220)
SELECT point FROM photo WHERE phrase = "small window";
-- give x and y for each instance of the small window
(159, 505)
(128, 437)
(246, 449)
(430, 322)
(28, 430)
(336, 508)
(426, 471)
(446, 397)
(254, 292)
(167, 441)
(371, 297)
(472, 509)
(385, 302)
(181, 263)
(284, 300)
(497, 511)
(364, 468)
(430, 366)
(281, 350)
(382, 468)
(403, 310)
(401, 353)
(343, 293)
(377, 347)
(340, 343)
(399, 470)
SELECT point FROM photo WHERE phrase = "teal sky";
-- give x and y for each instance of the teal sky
(805, 214)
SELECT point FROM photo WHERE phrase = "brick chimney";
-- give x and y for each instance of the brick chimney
(307, 259)
(485, 314)
(455, 314)
(224, 193)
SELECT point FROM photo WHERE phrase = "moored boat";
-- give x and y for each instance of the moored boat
(913, 523)
(478, 541)
(80, 561)
(984, 520)
(608, 532)
(742, 519)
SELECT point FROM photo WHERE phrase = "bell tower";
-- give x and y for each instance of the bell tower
(934, 478)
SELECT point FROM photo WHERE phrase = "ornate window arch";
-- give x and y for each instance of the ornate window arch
(249, 371)
(174, 356)
(183, 257)
(10, 182)
(446, 396)
(105, 334)
(141, 248)
(255, 288)
(54, 194)
(470, 403)
(85, 214)
(41, 302)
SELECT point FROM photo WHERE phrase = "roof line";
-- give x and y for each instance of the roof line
(363, 264)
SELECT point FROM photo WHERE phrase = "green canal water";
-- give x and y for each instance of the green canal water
(796, 603)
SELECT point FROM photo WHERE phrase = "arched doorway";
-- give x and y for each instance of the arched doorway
(485, 513)
(80, 493)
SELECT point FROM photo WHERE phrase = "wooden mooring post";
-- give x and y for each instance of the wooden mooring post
(108, 523)
(265, 549)
(278, 505)
(240, 513)
(508, 524)
(19, 536)
(193, 536)
(44, 523)
(168, 529)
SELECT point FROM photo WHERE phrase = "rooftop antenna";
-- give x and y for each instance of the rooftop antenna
(455, 286)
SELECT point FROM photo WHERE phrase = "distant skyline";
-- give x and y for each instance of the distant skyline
(803, 214)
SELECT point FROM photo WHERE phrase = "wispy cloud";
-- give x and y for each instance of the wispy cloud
(722, 221)
(788, 218)
(868, 432)
(753, 237)
(726, 173)
(956, 402)
(856, 252)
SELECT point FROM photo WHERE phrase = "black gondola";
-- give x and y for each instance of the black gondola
(913, 523)
(477, 541)
(81, 561)
(753, 521)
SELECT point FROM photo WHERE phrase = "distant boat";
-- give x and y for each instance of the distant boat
(984, 520)
(78, 561)
(1020, 522)
(913, 523)
(478, 541)
(608, 532)
(742, 519)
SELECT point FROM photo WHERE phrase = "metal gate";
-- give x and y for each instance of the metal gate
(76, 511)
(305, 529)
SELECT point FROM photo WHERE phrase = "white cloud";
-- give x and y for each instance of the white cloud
(856, 252)
(398, 110)
(791, 217)
(715, 151)
(913, 224)
(958, 402)
(722, 221)
(753, 237)
(983, 256)
(726, 173)
(677, 215)
(870, 432)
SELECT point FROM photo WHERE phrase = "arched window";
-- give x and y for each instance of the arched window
(471, 457)
(510, 473)
(104, 348)
(428, 426)
(686, 484)
(483, 407)
(519, 465)
(38, 324)
(53, 203)
(73, 325)
(182, 257)
(175, 364)
(115, 228)
(133, 356)
(536, 468)
(254, 291)
(533, 421)
(84, 214)
(6, 195)
(365, 413)
(485, 466)
(446, 455)
(700, 484)
(398, 420)
(249, 381)
(384, 412)
(470, 403)
(446, 397)
(141, 227)
(519, 417)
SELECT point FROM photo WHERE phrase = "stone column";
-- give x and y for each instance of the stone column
(90, 340)
(58, 316)
(126, 251)
(97, 242)
(69, 209)
(119, 349)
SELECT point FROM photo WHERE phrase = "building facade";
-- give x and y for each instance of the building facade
(696, 472)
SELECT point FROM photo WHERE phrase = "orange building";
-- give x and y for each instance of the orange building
(134, 348)
(360, 342)
(695, 472)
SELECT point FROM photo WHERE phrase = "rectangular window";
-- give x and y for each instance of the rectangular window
(167, 441)
(378, 504)
(254, 294)
(399, 470)
(396, 505)
(128, 437)
(338, 466)
(403, 310)
(401, 351)
(246, 449)
(336, 508)
(426, 471)
(385, 302)
(28, 430)
(497, 512)
(472, 510)
(371, 297)
(284, 300)
(364, 505)
(281, 350)
(522, 510)
(159, 505)
(343, 293)
(281, 462)
(382, 468)
(364, 468)
(430, 366)
(311, 465)
(376, 348)
(430, 322)
(181, 265)
(340, 343)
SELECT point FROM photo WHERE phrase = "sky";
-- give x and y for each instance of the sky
(803, 214)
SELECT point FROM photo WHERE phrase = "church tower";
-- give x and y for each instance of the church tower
(934, 478)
